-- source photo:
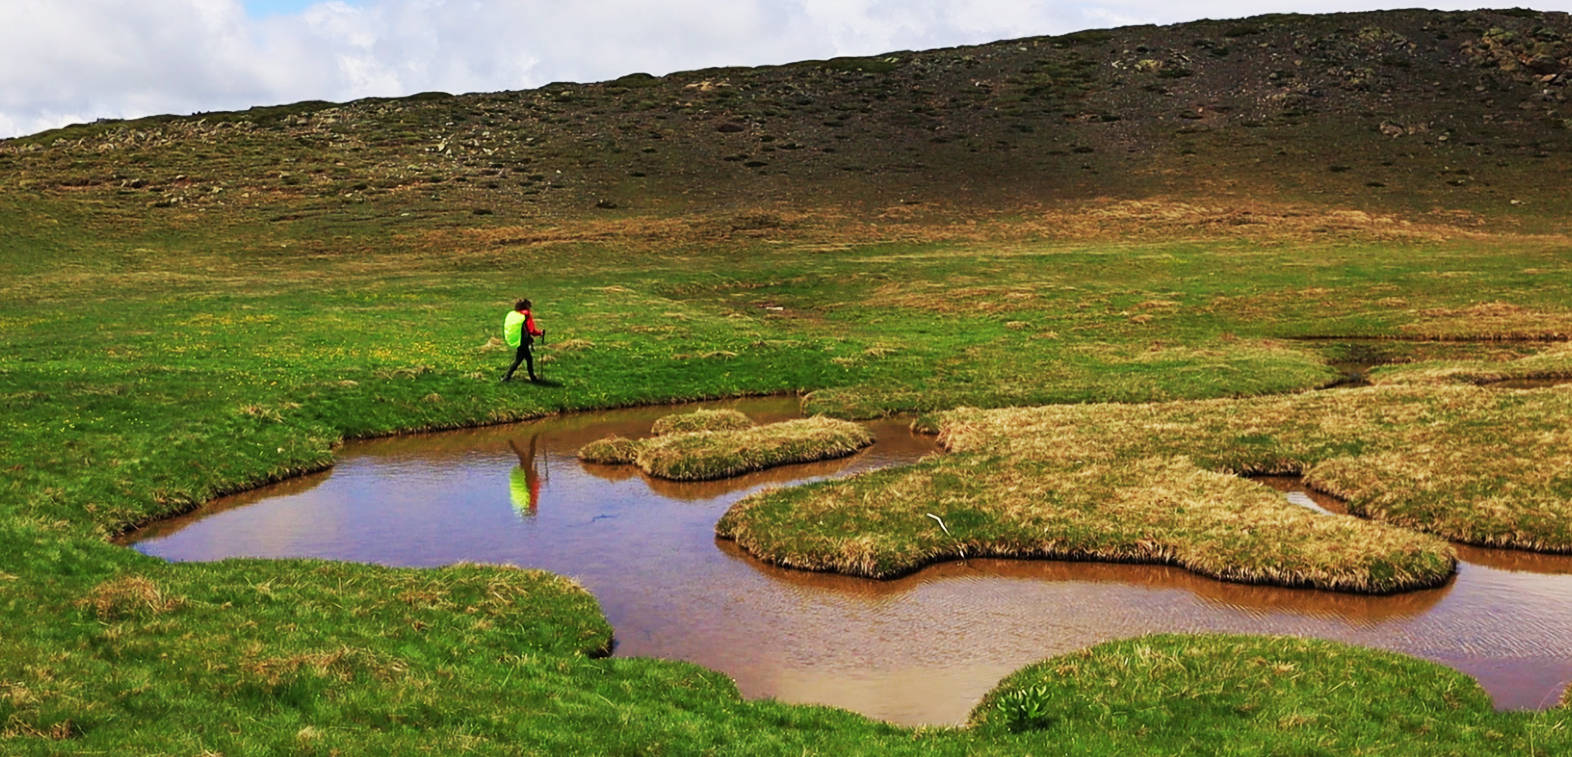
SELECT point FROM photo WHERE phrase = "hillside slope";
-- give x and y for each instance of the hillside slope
(1400, 110)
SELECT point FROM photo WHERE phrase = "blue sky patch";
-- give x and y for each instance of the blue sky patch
(262, 8)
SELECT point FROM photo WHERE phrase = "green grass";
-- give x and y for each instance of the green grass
(197, 306)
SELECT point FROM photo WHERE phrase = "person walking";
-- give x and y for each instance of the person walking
(519, 329)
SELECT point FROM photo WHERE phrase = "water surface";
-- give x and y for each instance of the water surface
(918, 650)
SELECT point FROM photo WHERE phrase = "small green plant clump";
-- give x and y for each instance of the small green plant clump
(1022, 709)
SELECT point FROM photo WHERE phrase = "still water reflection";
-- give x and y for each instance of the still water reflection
(922, 649)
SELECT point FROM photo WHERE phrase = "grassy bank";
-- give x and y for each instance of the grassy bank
(1189, 694)
(612, 450)
(1554, 362)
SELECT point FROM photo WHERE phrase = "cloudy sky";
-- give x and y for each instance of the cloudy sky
(68, 61)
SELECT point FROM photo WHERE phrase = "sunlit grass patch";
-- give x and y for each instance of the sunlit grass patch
(700, 420)
(1449, 460)
(717, 454)
(855, 403)
(1017, 370)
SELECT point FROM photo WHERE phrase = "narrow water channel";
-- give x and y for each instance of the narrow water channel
(918, 650)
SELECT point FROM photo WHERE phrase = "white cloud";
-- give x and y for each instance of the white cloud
(64, 62)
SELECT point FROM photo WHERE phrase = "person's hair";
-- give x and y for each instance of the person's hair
(521, 305)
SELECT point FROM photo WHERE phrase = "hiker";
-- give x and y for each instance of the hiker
(518, 328)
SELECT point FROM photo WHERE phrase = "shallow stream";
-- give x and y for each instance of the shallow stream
(918, 650)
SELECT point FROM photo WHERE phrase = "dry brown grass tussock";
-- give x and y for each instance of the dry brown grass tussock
(341, 664)
(707, 455)
(1167, 219)
(129, 596)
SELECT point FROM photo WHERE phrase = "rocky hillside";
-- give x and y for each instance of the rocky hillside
(1402, 110)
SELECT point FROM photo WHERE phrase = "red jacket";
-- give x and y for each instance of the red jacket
(529, 324)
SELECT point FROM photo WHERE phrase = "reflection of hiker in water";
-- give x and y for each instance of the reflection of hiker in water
(518, 328)
(524, 481)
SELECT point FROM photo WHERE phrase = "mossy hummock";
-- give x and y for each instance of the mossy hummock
(612, 450)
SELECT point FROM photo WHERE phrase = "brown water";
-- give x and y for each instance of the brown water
(918, 650)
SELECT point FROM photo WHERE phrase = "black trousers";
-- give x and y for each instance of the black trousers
(524, 357)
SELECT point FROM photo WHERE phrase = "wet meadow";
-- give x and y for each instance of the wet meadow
(1117, 268)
